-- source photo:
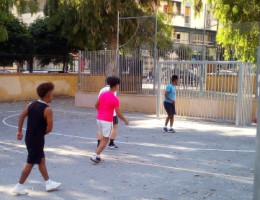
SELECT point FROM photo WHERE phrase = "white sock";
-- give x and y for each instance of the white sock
(165, 127)
(19, 184)
(171, 127)
(95, 155)
(48, 181)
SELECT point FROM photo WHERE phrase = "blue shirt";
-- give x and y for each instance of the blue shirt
(172, 93)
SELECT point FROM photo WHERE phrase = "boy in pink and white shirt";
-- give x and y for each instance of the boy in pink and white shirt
(106, 105)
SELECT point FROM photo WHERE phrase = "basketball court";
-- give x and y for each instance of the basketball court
(203, 160)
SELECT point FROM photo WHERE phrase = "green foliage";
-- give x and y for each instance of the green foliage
(184, 52)
(17, 46)
(239, 26)
(92, 24)
(239, 40)
(49, 45)
(6, 7)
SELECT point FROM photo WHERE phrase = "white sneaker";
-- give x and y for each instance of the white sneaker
(52, 185)
(19, 189)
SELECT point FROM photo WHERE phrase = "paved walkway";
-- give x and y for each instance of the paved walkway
(201, 161)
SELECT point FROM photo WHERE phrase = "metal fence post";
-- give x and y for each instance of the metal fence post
(117, 46)
(155, 49)
(79, 70)
(202, 78)
(257, 155)
(239, 96)
(257, 70)
(158, 102)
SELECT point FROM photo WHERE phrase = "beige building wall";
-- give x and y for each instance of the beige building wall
(195, 22)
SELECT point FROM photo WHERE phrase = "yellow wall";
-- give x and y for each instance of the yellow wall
(23, 86)
(92, 83)
(224, 83)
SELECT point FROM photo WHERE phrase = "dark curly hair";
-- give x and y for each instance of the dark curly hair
(113, 81)
(44, 88)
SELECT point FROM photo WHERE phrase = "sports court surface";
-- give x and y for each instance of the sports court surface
(201, 161)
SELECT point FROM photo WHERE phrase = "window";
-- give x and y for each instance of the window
(172, 8)
(208, 19)
(165, 8)
(197, 38)
(187, 15)
(210, 39)
(168, 9)
(181, 37)
(177, 8)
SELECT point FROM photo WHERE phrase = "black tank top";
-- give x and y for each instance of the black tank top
(36, 123)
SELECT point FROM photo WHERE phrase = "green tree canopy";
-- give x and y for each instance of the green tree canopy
(92, 24)
(7, 7)
(49, 45)
(239, 26)
(17, 47)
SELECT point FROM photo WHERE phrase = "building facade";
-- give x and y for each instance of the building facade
(29, 18)
(196, 30)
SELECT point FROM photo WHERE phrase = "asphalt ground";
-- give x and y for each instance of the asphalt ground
(201, 161)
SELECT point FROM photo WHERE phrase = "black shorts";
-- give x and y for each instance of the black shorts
(170, 108)
(115, 120)
(35, 151)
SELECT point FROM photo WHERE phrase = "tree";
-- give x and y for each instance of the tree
(49, 45)
(7, 7)
(92, 24)
(17, 47)
(239, 26)
(184, 52)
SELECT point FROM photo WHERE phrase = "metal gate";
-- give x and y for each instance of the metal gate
(210, 90)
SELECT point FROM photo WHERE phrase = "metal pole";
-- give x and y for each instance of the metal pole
(257, 155)
(257, 66)
(117, 45)
(239, 96)
(155, 52)
(158, 102)
(203, 70)
(204, 33)
(79, 70)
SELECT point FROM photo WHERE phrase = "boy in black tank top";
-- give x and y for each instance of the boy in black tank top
(39, 123)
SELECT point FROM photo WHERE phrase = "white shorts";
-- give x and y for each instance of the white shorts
(105, 128)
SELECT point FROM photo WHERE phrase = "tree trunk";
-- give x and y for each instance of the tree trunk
(111, 66)
(112, 43)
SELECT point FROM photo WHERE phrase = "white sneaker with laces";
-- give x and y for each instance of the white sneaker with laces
(52, 185)
(19, 189)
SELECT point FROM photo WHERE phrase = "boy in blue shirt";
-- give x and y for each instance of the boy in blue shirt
(169, 103)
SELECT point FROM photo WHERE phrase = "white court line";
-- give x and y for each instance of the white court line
(11, 111)
(139, 144)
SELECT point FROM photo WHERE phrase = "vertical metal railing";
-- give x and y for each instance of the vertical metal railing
(225, 94)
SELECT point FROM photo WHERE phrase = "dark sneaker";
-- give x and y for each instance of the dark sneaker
(95, 159)
(165, 130)
(171, 130)
(112, 146)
